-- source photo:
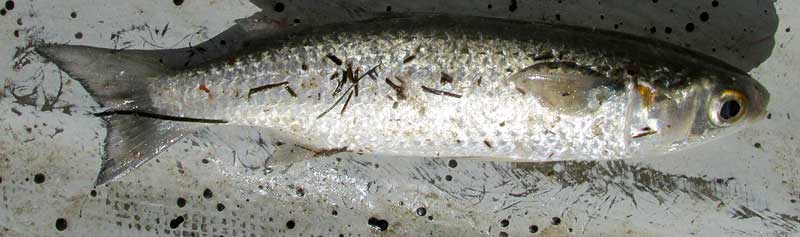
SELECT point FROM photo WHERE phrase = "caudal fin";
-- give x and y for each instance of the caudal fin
(119, 81)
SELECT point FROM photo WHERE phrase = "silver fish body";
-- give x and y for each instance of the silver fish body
(444, 86)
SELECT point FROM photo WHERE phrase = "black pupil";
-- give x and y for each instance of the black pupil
(729, 109)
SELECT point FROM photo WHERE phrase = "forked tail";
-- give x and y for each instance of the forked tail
(119, 81)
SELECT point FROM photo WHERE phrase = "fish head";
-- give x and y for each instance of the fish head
(676, 116)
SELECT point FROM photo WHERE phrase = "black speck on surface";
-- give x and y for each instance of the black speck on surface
(448, 177)
(61, 224)
(79, 35)
(207, 193)
(421, 211)
(704, 16)
(489, 6)
(769, 116)
(290, 224)
(73, 14)
(513, 6)
(279, 7)
(93, 193)
(653, 29)
(788, 29)
(655, 1)
(380, 224)
(296, 21)
(177, 2)
(39, 178)
(504, 223)
(714, 3)
(220, 207)
(301, 192)
(689, 27)
(181, 202)
(533, 228)
(668, 30)
(757, 145)
(388, 8)
(174, 223)
(452, 163)
(9, 5)
(503, 234)
(335, 213)
(2, 12)
(556, 221)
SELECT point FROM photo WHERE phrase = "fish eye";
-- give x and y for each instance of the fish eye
(728, 108)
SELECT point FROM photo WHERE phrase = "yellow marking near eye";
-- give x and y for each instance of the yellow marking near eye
(647, 95)
(736, 95)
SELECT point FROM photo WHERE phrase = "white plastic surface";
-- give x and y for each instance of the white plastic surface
(744, 185)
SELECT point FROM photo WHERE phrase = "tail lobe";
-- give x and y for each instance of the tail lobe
(119, 81)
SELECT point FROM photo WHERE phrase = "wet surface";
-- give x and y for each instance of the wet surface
(743, 185)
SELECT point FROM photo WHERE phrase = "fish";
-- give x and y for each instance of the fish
(425, 86)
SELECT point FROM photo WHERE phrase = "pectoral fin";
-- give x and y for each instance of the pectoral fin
(566, 87)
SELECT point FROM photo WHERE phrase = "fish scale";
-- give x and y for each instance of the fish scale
(513, 91)
(423, 124)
